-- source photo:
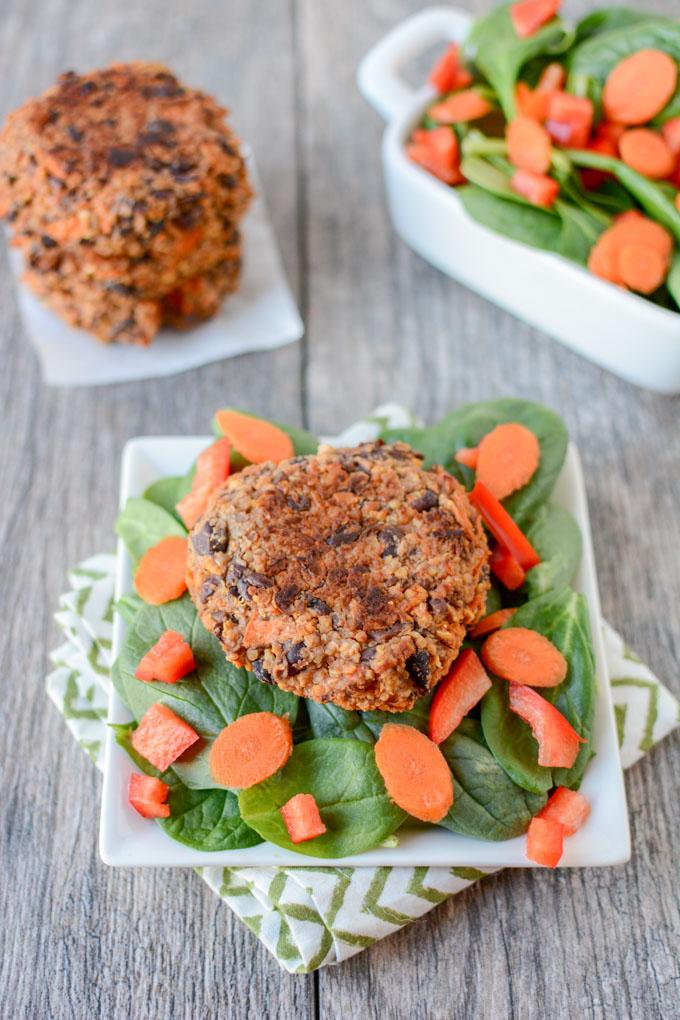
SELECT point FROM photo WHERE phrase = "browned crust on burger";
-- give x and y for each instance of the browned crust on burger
(123, 187)
(349, 577)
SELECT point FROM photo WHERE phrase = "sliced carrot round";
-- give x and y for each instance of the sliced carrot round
(529, 145)
(460, 107)
(415, 772)
(524, 656)
(161, 574)
(647, 152)
(494, 621)
(254, 439)
(467, 455)
(633, 228)
(639, 87)
(212, 470)
(251, 749)
(507, 458)
(642, 269)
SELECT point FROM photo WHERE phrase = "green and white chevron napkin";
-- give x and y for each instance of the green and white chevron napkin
(309, 917)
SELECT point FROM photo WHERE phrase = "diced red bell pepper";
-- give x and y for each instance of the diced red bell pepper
(557, 740)
(169, 660)
(503, 528)
(545, 842)
(448, 74)
(568, 807)
(530, 15)
(506, 569)
(536, 188)
(148, 796)
(605, 141)
(162, 736)
(465, 684)
(212, 469)
(437, 152)
(570, 119)
(302, 819)
(467, 455)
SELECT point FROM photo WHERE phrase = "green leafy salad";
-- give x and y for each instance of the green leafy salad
(496, 749)
(566, 137)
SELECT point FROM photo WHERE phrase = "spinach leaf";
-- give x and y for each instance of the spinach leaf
(487, 804)
(579, 231)
(416, 717)
(651, 195)
(499, 53)
(128, 606)
(209, 698)
(504, 215)
(605, 20)
(332, 721)
(468, 424)
(143, 524)
(556, 537)
(167, 492)
(202, 819)
(562, 616)
(620, 36)
(207, 820)
(343, 778)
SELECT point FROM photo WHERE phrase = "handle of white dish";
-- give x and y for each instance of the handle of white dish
(378, 75)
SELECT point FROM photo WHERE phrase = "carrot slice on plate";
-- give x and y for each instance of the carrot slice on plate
(254, 439)
(552, 78)
(464, 686)
(467, 455)
(415, 772)
(647, 152)
(671, 135)
(642, 269)
(212, 469)
(161, 574)
(460, 107)
(639, 87)
(530, 15)
(524, 656)
(545, 842)
(568, 807)
(492, 622)
(251, 749)
(507, 458)
(529, 145)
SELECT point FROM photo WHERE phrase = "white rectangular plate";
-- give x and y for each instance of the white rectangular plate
(128, 840)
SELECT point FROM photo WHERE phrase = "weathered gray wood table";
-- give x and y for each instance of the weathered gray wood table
(79, 940)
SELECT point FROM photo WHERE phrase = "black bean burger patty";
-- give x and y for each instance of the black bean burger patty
(349, 576)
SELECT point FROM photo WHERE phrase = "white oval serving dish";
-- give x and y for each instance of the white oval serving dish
(622, 332)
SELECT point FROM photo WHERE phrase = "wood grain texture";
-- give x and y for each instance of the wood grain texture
(83, 941)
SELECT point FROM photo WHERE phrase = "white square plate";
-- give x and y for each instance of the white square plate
(128, 840)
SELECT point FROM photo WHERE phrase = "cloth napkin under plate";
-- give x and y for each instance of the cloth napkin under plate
(309, 917)
(260, 315)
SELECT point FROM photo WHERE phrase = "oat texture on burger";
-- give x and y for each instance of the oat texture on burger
(124, 190)
(349, 576)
